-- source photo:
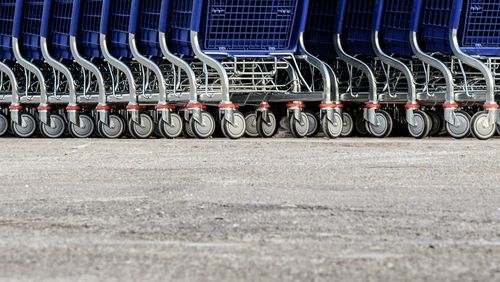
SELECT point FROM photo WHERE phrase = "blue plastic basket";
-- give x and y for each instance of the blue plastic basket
(57, 25)
(117, 27)
(479, 30)
(7, 12)
(86, 25)
(394, 24)
(27, 27)
(358, 26)
(148, 27)
(322, 21)
(434, 26)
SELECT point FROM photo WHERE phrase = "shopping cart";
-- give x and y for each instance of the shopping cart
(248, 58)
(9, 94)
(41, 78)
(461, 33)
(160, 76)
(71, 81)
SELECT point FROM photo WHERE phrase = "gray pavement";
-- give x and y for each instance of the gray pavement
(253, 210)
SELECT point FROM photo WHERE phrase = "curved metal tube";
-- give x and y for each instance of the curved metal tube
(372, 81)
(15, 91)
(121, 67)
(193, 97)
(162, 84)
(213, 64)
(437, 64)
(90, 67)
(318, 64)
(390, 61)
(477, 64)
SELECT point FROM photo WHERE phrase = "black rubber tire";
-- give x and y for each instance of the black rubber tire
(331, 129)
(464, 130)
(116, 129)
(86, 128)
(56, 129)
(172, 130)
(29, 128)
(384, 125)
(423, 125)
(144, 130)
(204, 130)
(267, 129)
(235, 130)
(297, 129)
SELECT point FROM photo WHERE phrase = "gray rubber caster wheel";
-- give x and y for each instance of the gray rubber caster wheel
(4, 125)
(234, 130)
(56, 129)
(86, 128)
(437, 123)
(297, 128)
(267, 129)
(481, 127)
(26, 128)
(332, 129)
(116, 127)
(251, 125)
(313, 124)
(383, 125)
(143, 130)
(347, 125)
(422, 127)
(205, 129)
(172, 130)
(462, 129)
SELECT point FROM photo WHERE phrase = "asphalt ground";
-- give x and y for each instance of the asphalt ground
(351, 209)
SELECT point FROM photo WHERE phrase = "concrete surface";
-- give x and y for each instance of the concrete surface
(254, 210)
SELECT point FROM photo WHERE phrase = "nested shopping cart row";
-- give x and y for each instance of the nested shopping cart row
(430, 65)
(244, 67)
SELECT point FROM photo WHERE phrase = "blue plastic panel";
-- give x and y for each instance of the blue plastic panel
(435, 26)
(480, 27)
(7, 11)
(395, 27)
(320, 29)
(148, 28)
(179, 26)
(60, 18)
(118, 26)
(30, 27)
(358, 27)
(89, 26)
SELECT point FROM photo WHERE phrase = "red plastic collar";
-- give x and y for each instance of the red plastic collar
(331, 105)
(264, 105)
(227, 106)
(73, 108)
(103, 108)
(165, 106)
(412, 106)
(491, 106)
(195, 106)
(297, 104)
(372, 106)
(16, 108)
(44, 108)
(450, 106)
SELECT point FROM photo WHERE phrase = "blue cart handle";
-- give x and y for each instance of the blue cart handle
(164, 10)
(417, 15)
(18, 17)
(134, 16)
(47, 10)
(379, 13)
(75, 18)
(106, 7)
(456, 13)
(303, 21)
(196, 16)
(340, 16)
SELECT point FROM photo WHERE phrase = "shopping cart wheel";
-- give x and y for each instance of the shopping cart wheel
(347, 125)
(422, 125)
(86, 128)
(172, 130)
(56, 129)
(462, 129)
(481, 128)
(26, 128)
(234, 130)
(116, 127)
(267, 129)
(4, 125)
(360, 124)
(383, 126)
(205, 129)
(251, 125)
(437, 123)
(297, 128)
(143, 130)
(313, 123)
(332, 129)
